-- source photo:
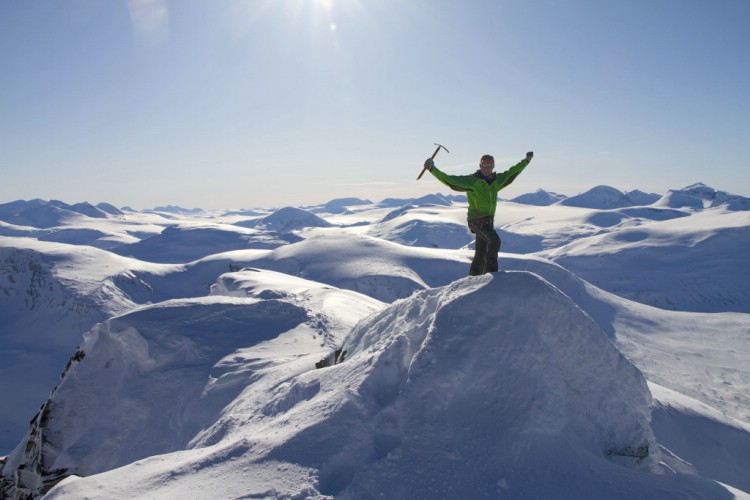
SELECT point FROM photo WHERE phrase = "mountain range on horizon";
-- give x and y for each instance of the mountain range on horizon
(44, 214)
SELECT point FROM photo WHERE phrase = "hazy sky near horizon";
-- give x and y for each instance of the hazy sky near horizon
(263, 103)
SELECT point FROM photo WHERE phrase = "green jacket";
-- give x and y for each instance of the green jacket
(481, 192)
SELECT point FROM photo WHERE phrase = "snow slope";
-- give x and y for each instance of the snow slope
(699, 196)
(377, 268)
(51, 293)
(189, 242)
(693, 263)
(252, 407)
(147, 382)
(442, 395)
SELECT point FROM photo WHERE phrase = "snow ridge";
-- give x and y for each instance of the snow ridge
(482, 378)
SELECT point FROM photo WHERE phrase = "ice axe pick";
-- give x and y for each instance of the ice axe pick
(433, 157)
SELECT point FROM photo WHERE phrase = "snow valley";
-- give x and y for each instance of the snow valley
(171, 353)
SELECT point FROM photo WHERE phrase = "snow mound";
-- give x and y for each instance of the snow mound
(539, 198)
(77, 236)
(419, 233)
(287, 219)
(37, 213)
(342, 205)
(149, 381)
(493, 386)
(493, 368)
(601, 197)
(380, 269)
(109, 209)
(653, 213)
(699, 196)
(690, 263)
(640, 198)
(189, 242)
(422, 227)
(462, 392)
(88, 210)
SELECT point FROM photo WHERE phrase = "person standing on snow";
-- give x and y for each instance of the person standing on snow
(481, 189)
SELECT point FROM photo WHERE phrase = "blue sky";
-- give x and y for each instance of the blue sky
(264, 103)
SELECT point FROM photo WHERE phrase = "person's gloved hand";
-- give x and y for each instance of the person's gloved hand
(529, 155)
(429, 164)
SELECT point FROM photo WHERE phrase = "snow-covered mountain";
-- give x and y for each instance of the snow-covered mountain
(341, 205)
(698, 196)
(539, 198)
(430, 199)
(679, 264)
(176, 210)
(607, 197)
(184, 243)
(286, 220)
(42, 214)
(608, 358)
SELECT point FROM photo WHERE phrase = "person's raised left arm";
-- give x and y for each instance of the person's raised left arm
(510, 175)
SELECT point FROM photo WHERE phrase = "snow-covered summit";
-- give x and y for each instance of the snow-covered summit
(540, 198)
(641, 198)
(699, 196)
(342, 205)
(109, 208)
(599, 197)
(46, 214)
(489, 387)
(287, 219)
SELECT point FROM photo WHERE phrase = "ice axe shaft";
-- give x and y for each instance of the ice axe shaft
(437, 150)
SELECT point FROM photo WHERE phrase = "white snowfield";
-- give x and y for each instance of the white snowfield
(610, 357)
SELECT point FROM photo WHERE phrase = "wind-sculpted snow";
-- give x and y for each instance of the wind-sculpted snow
(687, 264)
(191, 242)
(144, 386)
(475, 375)
(380, 269)
(496, 386)
(691, 430)
(49, 295)
(148, 382)
(422, 227)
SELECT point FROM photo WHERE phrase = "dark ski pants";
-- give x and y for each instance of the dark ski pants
(487, 246)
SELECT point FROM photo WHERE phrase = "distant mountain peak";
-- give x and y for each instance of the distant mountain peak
(289, 219)
(599, 197)
(539, 198)
(699, 196)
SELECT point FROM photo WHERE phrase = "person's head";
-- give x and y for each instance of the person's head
(486, 165)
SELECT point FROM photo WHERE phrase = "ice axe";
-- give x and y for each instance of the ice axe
(433, 157)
